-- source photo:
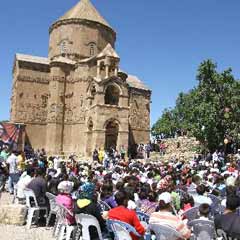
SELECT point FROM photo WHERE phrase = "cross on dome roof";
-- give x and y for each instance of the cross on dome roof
(85, 10)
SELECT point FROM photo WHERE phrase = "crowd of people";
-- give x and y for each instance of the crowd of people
(164, 191)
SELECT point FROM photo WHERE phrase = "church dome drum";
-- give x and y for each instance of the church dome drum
(81, 33)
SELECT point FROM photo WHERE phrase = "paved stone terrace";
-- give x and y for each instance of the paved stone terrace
(10, 232)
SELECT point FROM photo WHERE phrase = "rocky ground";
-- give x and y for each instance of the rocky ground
(11, 232)
(183, 148)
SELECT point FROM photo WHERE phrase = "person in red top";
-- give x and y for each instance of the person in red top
(121, 213)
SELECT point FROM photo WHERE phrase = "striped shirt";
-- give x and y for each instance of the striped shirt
(167, 218)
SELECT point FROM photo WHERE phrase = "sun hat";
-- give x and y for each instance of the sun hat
(166, 197)
(65, 187)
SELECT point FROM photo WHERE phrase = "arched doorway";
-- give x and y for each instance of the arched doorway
(111, 135)
(112, 95)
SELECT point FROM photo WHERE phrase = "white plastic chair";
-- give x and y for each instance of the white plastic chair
(192, 213)
(87, 221)
(122, 230)
(202, 229)
(223, 235)
(53, 206)
(33, 211)
(164, 232)
(63, 230)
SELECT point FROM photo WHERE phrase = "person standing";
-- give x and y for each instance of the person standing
(3, 174)
(95, 155)
(215, 157)
(101, 154)
(21, 162)
(147, 150)
(4, 154)
(14, 174)
(123, 153)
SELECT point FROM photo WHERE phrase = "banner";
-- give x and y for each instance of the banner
(11, 134)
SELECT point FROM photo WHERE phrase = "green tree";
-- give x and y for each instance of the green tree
(210, 111)
(166, 124)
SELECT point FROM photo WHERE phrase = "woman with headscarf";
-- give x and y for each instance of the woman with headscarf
(87, 204)
(64, 198)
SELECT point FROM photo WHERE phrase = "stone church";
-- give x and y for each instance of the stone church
(78, 98)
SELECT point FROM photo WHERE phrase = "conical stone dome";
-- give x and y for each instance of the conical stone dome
(85, 10)
(80, 33)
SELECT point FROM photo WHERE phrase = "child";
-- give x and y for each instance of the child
(204, 210)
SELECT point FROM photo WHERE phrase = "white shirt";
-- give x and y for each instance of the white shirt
(12, 161)
(22, 184)
(215, 157)
(200, 199)
(56, 163)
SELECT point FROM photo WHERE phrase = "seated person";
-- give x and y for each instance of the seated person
(165, 216)
(229, 222)
(87, 204)
(123, 214)
(107, 194)
(187, 202)
(39, 186)
(148, 203)
(24, 180)
(196, 181)
(204, 211)
(64, 198)
(200, 197)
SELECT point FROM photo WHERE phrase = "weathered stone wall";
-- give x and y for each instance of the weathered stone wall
(77, 44)
(30, 96)
(181, 148)
(36, 134)
(139, 118)
(30, 101)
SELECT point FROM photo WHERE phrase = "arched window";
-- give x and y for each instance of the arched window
(92, 47)
(112, 95)
(63, 47)
(93, 90)
(90, 125)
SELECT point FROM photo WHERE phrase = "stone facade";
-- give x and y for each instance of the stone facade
(78, 98)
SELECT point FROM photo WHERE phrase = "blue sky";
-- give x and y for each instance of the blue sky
(160, 41)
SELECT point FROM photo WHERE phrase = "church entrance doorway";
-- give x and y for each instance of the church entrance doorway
(111, 137)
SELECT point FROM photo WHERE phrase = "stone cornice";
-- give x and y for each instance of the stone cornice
(109, 106)
(46, 80)
(34, 123)
(40, 80)
(139, 129)
(34, 66)
(138, 91)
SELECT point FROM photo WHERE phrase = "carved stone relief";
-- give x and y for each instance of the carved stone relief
(139, 114)
(30, 109)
